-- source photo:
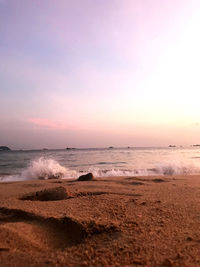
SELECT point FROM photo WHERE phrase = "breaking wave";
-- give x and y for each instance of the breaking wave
(42, 168)
(177, 168)
(45, 168)
(168, 169)
(48, 168)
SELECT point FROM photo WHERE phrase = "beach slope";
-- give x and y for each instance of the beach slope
(115, 221)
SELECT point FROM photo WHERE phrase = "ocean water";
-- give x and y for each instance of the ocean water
(44, 164)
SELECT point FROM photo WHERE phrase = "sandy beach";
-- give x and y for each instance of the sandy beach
(118, 221)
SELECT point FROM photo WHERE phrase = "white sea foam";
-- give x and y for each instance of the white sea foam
(178, 167)
(11, 178)
(47, 168)
(116, 172)
(167, 168)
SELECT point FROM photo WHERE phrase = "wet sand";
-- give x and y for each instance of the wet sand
(118, 221)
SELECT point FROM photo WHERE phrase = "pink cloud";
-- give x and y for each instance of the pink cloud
(43, 122)
(46, 123)
(59, 125)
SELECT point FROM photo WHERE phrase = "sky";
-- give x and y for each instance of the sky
(97, 73)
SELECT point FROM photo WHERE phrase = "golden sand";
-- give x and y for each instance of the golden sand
(118, 221)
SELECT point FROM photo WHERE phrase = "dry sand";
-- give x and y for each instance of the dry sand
(118, 221)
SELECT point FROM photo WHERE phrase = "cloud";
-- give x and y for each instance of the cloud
(46, 123)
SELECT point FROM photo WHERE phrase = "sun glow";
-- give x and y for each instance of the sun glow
(172, 91)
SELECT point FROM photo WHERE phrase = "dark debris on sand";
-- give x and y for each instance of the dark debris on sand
(86, 177)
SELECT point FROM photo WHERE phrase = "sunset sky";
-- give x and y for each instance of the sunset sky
(95, 73)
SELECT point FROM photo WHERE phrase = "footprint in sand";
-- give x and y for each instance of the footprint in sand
(22, 230)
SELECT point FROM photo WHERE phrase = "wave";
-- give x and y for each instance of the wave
(177, 168)
(167, 168)
(42, 168)
(48, 168)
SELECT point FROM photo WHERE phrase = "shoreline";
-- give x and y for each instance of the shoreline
(96, 178)
(111, 221)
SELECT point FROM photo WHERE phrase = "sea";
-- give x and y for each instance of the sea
(102, 162)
